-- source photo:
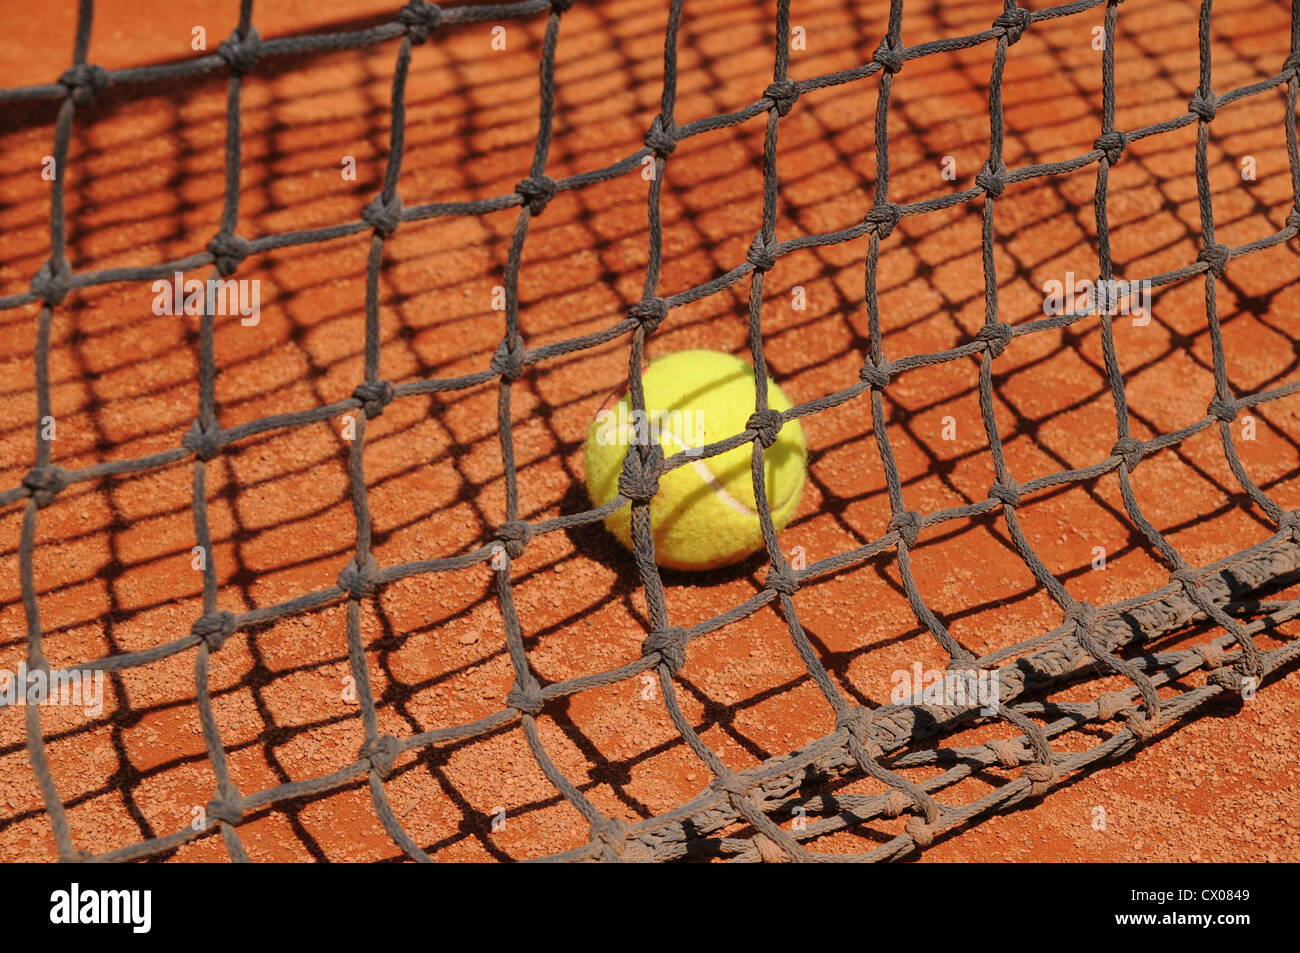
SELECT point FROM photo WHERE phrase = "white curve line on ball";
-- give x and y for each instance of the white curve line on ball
(702, 468)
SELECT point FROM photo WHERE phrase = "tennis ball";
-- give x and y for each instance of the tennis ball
(704, 514)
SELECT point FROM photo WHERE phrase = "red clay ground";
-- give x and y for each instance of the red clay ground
(113, 558)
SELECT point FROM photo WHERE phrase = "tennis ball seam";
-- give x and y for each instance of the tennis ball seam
(711, 479)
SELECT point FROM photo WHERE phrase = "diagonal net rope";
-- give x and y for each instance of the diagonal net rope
(877, 743)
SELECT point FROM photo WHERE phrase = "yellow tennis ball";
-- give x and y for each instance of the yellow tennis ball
(704, 514)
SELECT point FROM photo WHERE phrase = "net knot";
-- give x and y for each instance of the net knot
(1187, 578)
(1290, 522)
(732, 784)
(907, 525)
(782, 95)
(762, 256)
(1225, 410)
(883, 219)
(1111, 144)
(660, 138)
(213, 628)
(1216, 259)
(996, 337)
(84, 82)
(1293, 218)
(1292, 65)
(1013, 23)
(1130, 451)
(766, 424)
(44, 483)
(964, 669)
(203, 442)
(1141, 726)
(1105, 297)
(1040, 777)
(1204, 106)
(358, 577)
(992, 181)
(53, 281)
(241, 52)
(855, 719)
(380, 753)
(508, 361)
(1007, 493)
(525, 698)
(374, 396)
(1229, 679)
(889, 56)
(896, 802)
(1211, 655)
(561, 6)
(1082, 615)
(537, 192)
(611, 832)
(1110, 704)
(877, 375)
(642, 467)
(649, 313)
(857, 722)
(383, 215)
(420, 20)
(922, 834)
(669, 644)
(781, 579)
(515, 535)
(228, 250)
(1008, 753)
(226, 809)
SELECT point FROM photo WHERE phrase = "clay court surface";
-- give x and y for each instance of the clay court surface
(112, 563)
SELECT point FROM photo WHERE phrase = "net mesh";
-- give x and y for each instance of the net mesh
(883, 743)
